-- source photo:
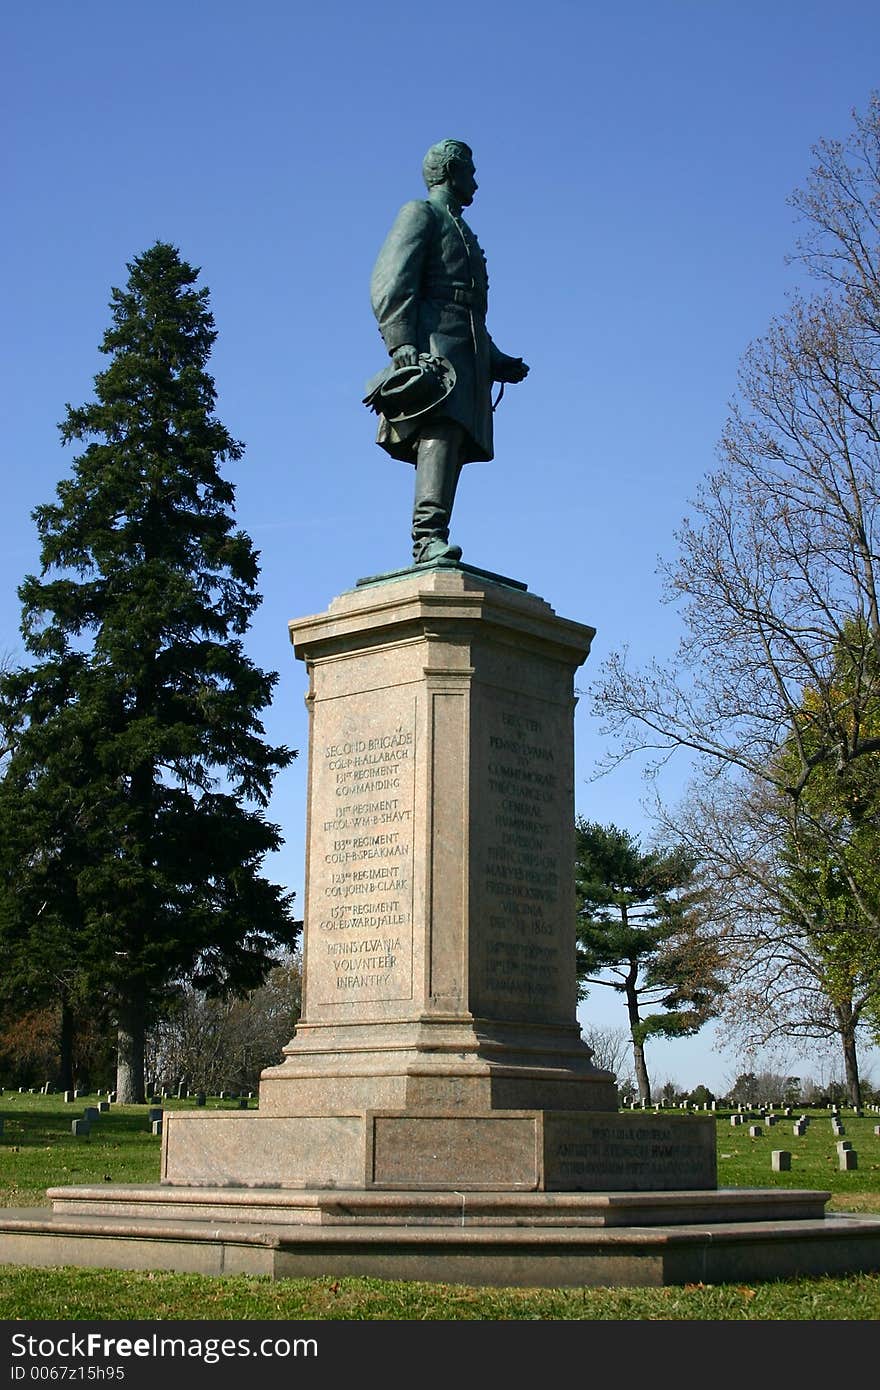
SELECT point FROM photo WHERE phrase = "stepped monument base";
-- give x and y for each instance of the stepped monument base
(437, 1114)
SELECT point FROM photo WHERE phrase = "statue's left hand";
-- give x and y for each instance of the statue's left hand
(512, 369)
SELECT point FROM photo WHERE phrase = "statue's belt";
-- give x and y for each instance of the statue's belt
(446, 293)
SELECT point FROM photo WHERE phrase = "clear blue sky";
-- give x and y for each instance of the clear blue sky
(634, 162)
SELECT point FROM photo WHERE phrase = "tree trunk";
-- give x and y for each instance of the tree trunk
(65, 1047)
(850, 1061)
(642, 1081)
(632, 1006)
(130, 1054)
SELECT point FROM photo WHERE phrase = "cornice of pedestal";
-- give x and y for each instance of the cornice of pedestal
(424, 601)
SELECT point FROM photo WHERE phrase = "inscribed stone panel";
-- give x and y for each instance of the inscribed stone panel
(523, 954)
(360, 895)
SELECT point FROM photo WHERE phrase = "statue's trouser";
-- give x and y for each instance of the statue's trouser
(438, 467)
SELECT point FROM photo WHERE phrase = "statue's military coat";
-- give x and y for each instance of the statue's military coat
(430, 288)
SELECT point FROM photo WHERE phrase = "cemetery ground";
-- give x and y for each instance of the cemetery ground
(38, 1150)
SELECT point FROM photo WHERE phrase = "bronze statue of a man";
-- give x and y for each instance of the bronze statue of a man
(429, 293)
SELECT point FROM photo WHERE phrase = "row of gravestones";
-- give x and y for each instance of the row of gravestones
(83, 1126)
(156, 1113)
(770, 1119)
(158, 1093)
(44, 1090)
(155, 1092)
(47, 1090)
(847, 1158)
(781, 1159)
(630, 1103)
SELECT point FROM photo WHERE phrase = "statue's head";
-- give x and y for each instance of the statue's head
(452, 162)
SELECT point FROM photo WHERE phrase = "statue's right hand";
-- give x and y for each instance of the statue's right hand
(405, 356)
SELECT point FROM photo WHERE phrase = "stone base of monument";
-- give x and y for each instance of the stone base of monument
(499, 1151)
(487, 1239)
(437, 1115)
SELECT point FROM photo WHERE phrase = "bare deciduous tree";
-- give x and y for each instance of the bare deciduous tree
(801, 966)
(610, 1048)
(224, 1043)
(778, 563)
(775, 688)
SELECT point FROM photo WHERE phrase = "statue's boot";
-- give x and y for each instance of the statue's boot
(437, 473)
(425, 552)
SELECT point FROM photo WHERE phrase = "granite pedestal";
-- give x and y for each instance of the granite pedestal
(438, 1045)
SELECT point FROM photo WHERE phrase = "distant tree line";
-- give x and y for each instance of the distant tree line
(207, 1043)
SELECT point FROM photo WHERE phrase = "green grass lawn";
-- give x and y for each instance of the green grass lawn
(38, 1150)
(745, 1161)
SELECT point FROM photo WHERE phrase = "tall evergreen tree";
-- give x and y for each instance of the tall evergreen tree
(133, 803)
(638, 932)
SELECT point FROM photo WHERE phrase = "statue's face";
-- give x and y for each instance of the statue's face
(462, 180)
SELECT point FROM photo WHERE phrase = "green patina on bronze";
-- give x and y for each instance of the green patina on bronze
(429, 292)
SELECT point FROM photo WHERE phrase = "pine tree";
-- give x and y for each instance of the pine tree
(638, 932)
(133, 805)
